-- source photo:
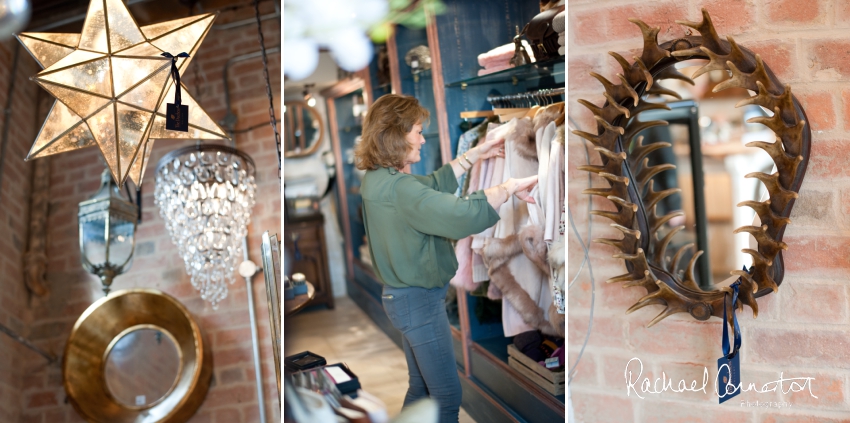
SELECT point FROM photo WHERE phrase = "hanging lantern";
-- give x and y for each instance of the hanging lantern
(111, 83)
(205, 194)
(107, 229)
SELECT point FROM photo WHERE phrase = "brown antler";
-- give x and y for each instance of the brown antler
(664, 281)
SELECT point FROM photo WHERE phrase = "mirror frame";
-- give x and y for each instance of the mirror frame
(118, 338)
(288, 126)
(628, 175)
(110, 318)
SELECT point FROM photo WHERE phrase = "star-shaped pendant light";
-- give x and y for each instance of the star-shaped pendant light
(112, 86)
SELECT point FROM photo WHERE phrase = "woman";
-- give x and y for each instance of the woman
(410, 221)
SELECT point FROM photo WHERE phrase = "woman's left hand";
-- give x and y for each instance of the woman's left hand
(492, 148)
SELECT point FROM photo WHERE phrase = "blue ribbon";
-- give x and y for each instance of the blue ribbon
(175, 75)
(726, 347)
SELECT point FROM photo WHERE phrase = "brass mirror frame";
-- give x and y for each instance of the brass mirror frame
(291, 125)
(118, 338)
(83, 363)
(626, 168)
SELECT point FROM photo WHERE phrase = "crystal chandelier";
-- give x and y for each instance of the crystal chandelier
(205, 194)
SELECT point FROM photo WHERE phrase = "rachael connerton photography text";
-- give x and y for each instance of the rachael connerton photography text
(634, 384)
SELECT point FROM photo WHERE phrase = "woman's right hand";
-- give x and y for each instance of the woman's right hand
(522, 187)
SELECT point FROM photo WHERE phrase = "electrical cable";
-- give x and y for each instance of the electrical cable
(586, 250)
(589, 208)
(272, 119)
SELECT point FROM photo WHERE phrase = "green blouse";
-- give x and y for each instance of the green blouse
(410, 221)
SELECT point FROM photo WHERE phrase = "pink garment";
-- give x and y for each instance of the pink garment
(496, 62)
(501, 53)
(492, 177)
(487, 71)
(463, 250)
(552, 209)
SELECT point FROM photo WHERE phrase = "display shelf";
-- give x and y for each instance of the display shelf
(509, 387)
(525, 73)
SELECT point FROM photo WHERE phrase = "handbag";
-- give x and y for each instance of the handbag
(542, 36)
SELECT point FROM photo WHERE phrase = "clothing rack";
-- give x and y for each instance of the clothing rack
(527, 99)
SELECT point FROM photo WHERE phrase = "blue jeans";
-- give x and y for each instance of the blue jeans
(420, 315)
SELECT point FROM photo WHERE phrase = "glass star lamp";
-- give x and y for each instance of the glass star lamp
(112, 85)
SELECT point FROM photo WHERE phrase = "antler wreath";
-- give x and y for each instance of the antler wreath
(630, 176)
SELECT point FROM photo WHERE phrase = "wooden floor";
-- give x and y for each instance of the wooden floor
(346, 334)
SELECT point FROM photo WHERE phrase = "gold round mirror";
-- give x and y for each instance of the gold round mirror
(303, 129)
(142, 365)
(136, 356)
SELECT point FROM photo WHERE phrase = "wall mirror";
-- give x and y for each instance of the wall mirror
(142, 366)
(766, 185)
(136, 356)
(708, 135)
(303, 129)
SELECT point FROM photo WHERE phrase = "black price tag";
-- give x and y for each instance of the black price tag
(177, 118)
(176, 114)
(729, 366)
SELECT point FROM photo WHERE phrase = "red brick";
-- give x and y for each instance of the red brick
(730, 17)
(820, 109)
(227, 415)
(585, 372)
(826, 160)
(814, 208)
(795, 11)
(602, 408)
(799, 299)
(827, 387)
(606, 331)
(819, 252)
(828, 59)
(778, 55)
(783, 347)
(230, 395)
(586, 28)
(232, 337)
(798, 418)
(675, 336)
(659, 14)
(580, 68)
(231, 376)
(41, 399)
(676, 412)
(232, 356)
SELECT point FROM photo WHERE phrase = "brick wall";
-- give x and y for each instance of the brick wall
(75, 177)
(14, 212)
(803, 329)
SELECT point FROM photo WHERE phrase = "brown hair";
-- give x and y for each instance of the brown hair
(387, 123)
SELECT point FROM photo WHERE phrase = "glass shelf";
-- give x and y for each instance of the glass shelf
(529, 72)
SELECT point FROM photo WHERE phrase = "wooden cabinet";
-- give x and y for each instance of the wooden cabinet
(306, 241)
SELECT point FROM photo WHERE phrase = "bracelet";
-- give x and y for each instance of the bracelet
(460, 163)
(467, 159)
(508, 197)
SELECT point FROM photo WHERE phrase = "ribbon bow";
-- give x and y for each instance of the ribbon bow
(175, 75)
(737, 330)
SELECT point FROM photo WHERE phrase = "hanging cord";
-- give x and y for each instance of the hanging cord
(586, 250)
(272, 119)
(589, 208)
